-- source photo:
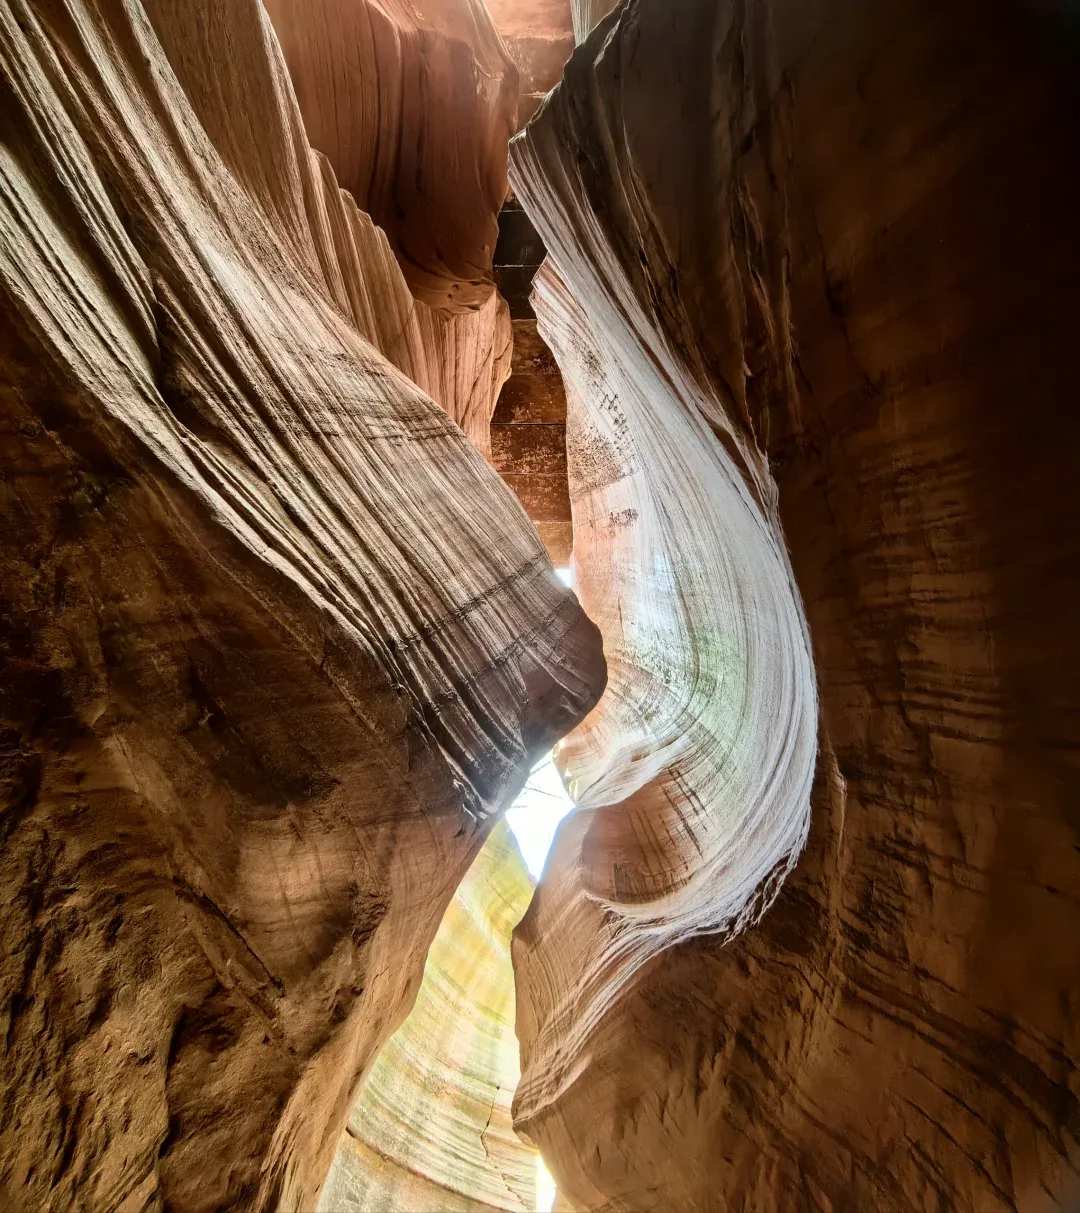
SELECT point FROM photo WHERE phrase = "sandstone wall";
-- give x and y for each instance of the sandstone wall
(413, 102)
(834, 245)
(277, 643)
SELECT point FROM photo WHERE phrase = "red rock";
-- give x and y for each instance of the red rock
(412, 101)
(846, 235)
(277, 643)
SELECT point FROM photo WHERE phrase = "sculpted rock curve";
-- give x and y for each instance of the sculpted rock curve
(848, 229)
(692, 776)
(413, 102)
(277, 643)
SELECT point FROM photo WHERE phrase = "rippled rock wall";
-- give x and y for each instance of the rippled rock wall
(412, 102)
(277, 643)
(811, 290)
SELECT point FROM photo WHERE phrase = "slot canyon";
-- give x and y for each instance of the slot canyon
(539, 585)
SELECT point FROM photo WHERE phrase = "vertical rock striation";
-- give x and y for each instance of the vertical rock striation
(812, 293)
(276, 642)
(431, 1130)
(412, 102)
(587, 14)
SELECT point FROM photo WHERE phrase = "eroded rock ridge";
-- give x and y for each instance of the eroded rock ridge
(277, 642)
(810, 289)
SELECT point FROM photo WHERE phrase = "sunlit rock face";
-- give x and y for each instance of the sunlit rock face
(693, 775)
(460, 359)
(812, 293)
(412, 101)
(431, 1130)
(276, 641)
(539, 35)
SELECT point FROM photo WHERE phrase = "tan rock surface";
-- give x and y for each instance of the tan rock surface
(832, 245)
(412, 101)
(276, 641)
(528, 440)
(431, 1131)
(539, 34)
(461, 359)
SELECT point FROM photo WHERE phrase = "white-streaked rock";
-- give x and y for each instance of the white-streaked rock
(277, 642)
(693, 774)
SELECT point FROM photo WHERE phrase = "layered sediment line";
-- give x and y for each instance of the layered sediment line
(278, 643)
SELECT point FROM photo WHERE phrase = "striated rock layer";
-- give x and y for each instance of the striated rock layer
(814, 268)
(276, 642)
(375, 82)
(431, 1131)
(587, 14)
(693, 775)
(413, 102)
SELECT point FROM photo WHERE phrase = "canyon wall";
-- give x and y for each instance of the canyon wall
(409, 110)
(412, 102)
(431, 1131)
(277, 643)
(811, 289)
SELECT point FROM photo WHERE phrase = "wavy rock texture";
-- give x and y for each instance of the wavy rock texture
(276, 641)
(413, 102)
(830, 246)
(431, 1131)
(693, 775)
(410, 109)
(460, 359)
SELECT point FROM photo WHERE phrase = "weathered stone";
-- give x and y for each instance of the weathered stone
(528, 442)
(276, 642)
(829, 250)
(412, 102)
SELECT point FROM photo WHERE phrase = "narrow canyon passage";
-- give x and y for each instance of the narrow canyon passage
(538, 588)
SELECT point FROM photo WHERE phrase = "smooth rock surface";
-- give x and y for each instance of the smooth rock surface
(830, 247)
(277, 643)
